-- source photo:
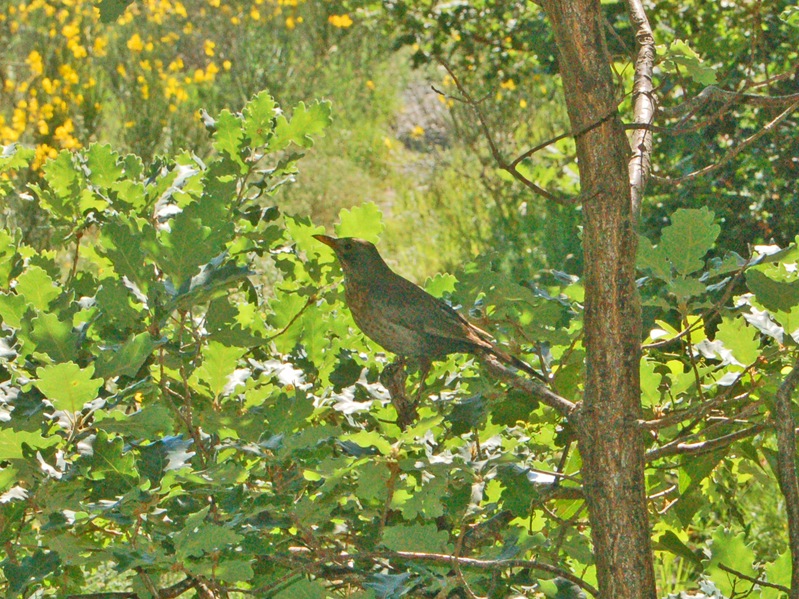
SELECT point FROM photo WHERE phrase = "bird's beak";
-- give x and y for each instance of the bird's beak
(329, 241)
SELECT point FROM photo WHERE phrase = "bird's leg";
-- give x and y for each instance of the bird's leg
(393, 378)
(424, 370)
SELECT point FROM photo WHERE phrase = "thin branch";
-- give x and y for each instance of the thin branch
(533, 388)
(716, 94)
(481, 564)
(729, 156)
(786, 466)
(757, 581)
(571, 133)
(495, 153)
(703, 446)
(644, 105)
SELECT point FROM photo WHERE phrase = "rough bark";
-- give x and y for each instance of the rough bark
(610, 443)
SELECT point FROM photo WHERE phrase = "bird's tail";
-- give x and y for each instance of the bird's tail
(512, 360)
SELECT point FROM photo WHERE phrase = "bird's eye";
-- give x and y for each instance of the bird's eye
(348, 246)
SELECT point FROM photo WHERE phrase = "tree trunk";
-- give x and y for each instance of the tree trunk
(611, 443)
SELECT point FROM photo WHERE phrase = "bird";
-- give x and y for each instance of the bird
(402, 317)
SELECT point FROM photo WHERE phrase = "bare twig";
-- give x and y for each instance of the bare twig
(716, 94)
(495, 153)
(703, 446)
(786, 466)
(757, 581)
(729, 156)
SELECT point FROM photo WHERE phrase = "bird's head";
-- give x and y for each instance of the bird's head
(358, 258)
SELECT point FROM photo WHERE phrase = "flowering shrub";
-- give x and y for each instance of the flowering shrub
(137, 81)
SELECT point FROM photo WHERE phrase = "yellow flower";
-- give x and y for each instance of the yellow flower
(78, 51)
(209, 47)
(417, 131)
(43, 153)
(135, 43)
(121, 70)
(510, 85)
(214, 3)
(42, 127)
(68, 74)
(370, 84)
(255, 14)
(36, 63)
(226, 65)
(340, 21)
(100, 45)
(290, 23)
(522, 103)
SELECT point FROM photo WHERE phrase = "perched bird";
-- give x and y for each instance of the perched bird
(402, 317)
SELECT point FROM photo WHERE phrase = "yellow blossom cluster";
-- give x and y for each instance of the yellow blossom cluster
(72, 78)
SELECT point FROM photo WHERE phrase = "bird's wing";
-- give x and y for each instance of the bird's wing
(412, 307)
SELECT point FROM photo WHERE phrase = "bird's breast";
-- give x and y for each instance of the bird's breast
(375, 318)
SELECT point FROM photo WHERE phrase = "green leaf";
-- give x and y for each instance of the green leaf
(8, 256)
(364, 221)
(53, 337)
(680, 54)
(12, 309)
(67, 385)
(11, 442)
(690, 236)
(416, 537)
(740, 339)
(111, 10)
(199, 537)
(229, 136)
(426, 502)
(196, 236)
(219, 362)
(777, 572)
(773, 295)
(104, 165)
(669, 541)
(303, 589)
(30, 570)
(440, 284)
(305, 122)
(122, 244)
(148, 423)
(14, 157)
(372, 477)
(109, 461)
(37, 287)
(64, 179)
(650, 383)
(259, 118)
(127, 359)
(653, 258)
(732, 551)
(369, 439)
